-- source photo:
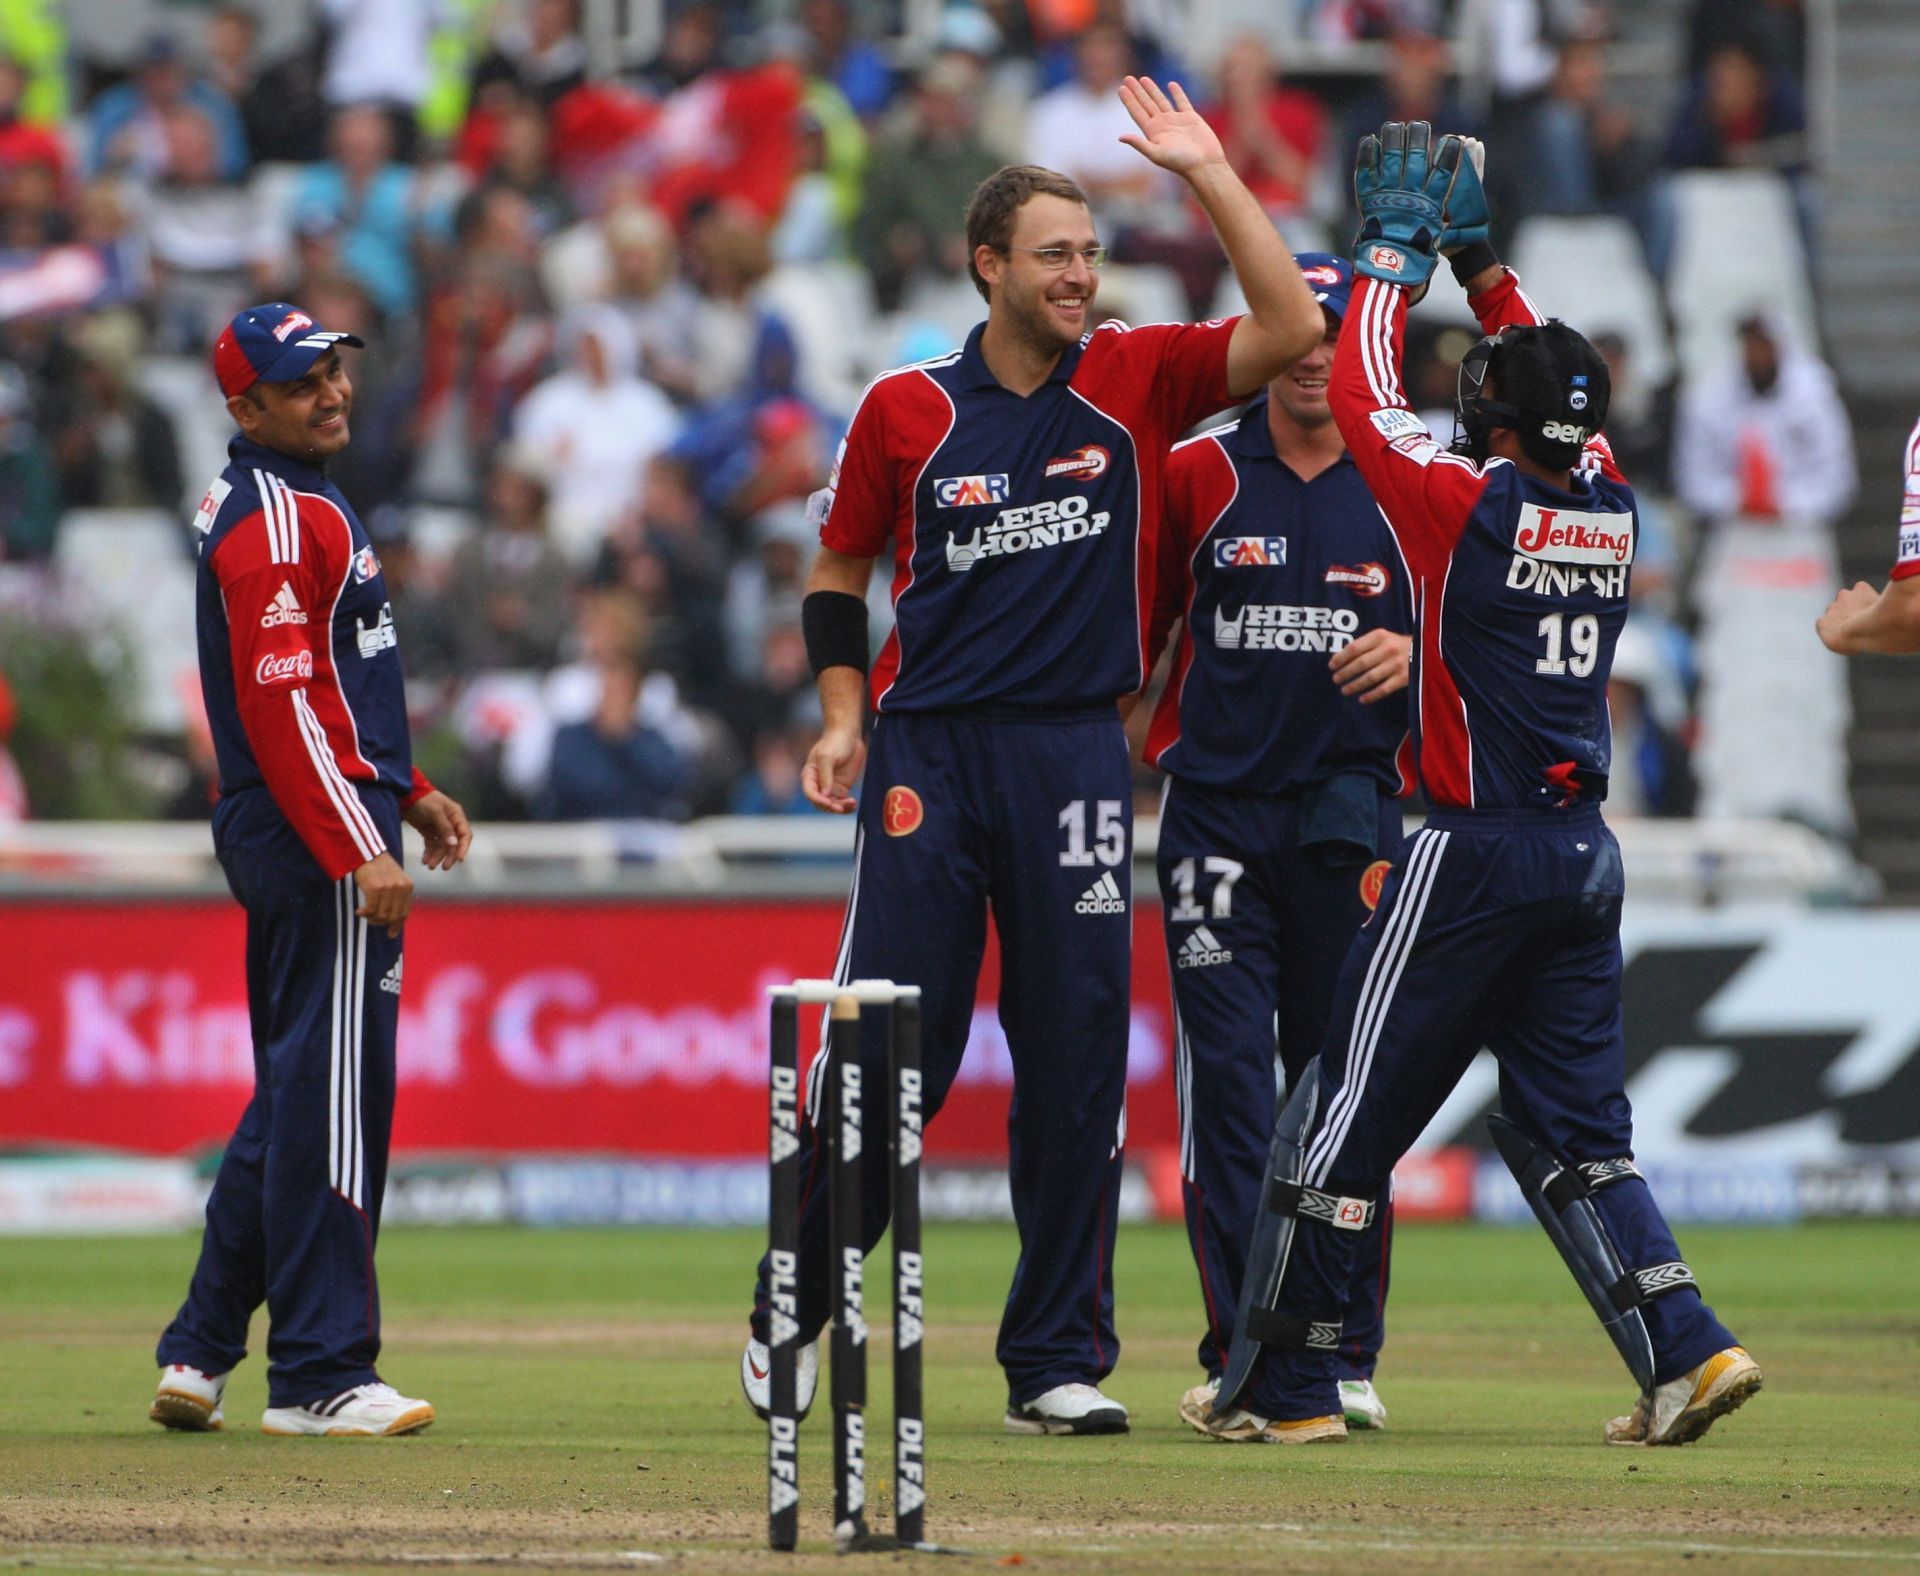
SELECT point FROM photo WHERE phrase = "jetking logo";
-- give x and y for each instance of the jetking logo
(1574, 536)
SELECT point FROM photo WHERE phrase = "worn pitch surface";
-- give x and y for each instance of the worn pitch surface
(590, 1419)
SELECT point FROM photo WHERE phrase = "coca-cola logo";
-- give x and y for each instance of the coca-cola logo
(293, 666)
(1574, 536)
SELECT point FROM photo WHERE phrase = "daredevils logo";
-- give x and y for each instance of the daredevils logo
(1574, 536)
(1085, 463)
(284, 329)
(1372, 880)
(1385, 257)
(284, 670)
(1367, 579)
(901, 812)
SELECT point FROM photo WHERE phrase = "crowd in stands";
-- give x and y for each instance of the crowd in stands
(618, 313)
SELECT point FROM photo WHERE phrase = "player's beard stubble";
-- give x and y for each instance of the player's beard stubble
(1030, 319)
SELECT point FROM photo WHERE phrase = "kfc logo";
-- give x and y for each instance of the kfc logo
(901, 812)
(290, 324)
(1082, 465)
(294, 666)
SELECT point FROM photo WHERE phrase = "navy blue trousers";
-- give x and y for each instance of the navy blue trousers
(1257, 929)
(1498, 929)
(1032, 817)
(295, 1208)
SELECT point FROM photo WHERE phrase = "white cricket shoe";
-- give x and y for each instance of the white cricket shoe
(189, 1399)
(756, 1369)
(1685, 1408)
(1068, 1409)
(1362, 1404)
(1240, 1427)
(367, 1411)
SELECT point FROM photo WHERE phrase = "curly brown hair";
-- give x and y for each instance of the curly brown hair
(997, 199)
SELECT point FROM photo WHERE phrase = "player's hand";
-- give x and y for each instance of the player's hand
(833, 767)
(386, 893)
(443, 824)
(1847, 605)
(1374, 666)
(1172, 133)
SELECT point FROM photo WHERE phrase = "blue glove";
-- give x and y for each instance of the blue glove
(1465, 218)
(1401, 193)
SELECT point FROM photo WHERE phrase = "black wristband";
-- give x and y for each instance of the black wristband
(835, 624)
(1474, 259)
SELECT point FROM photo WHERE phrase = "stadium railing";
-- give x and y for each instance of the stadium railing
(1701, 863)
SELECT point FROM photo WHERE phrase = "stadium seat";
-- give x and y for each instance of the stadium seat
(1593, 273)
(131, 572)
(183, 387)
(1737, 246)
(1143, 293)
(823, 303)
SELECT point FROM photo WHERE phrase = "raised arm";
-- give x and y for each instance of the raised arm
(1283, 321)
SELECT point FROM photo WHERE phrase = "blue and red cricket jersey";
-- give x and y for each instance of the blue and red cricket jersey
(1520, 586)
(298, 657)
(1270, 575)
(1023, 529)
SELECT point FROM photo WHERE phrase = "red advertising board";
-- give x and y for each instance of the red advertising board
(618, 1027)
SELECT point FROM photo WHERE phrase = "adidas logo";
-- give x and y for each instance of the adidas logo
(1202, 950)
(283, 609)
(390, 981)
(1103, 897)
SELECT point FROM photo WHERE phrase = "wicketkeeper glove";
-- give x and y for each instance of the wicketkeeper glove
(1465, 219)
(1401, 192)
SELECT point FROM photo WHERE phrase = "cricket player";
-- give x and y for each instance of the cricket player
(1500, 926)
(1861, 619)
(1015, 485)
(301, 673)
(1283, 733)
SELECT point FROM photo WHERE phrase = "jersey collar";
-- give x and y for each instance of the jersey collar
(248, 455)
(976, 374)
(1252, 438)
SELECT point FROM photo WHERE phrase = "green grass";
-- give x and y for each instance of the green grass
(590, 1413)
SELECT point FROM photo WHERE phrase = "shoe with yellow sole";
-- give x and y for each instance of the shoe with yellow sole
(1241, 1427)
(1685, 1408)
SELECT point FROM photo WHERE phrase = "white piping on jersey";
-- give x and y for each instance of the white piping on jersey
(1139, 524)
(366, 836)
(282, 516)
(1375, 1002)
(913, 511)
(1439, 644)
(333, 609)
(1193, 575)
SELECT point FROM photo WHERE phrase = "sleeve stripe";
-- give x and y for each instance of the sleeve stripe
(1376, 343)
(274, 553)
(283, 518)
(366, 836)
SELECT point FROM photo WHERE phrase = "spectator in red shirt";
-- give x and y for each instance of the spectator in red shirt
(21, 143)
(1272, 133)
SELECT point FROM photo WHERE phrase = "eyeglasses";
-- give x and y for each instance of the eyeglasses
(1057, 259)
